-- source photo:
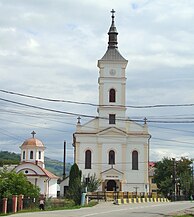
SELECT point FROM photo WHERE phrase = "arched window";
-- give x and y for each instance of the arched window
(134, 160)
(111, 157)
(88, 158)
(31, 154)
(112, 95)
(24, 155)
(39, 155)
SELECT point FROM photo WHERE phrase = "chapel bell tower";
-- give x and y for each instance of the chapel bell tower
(32, 150)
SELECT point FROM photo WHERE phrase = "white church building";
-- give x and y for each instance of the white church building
(111, 145)
(32, 165)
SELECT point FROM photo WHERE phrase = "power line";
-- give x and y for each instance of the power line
(62, 131)
(173, 140)
(46, 109)
(91, 116)
(96, 105)
(132, 118)
(10, 135)
(168, 128)
(39, 115)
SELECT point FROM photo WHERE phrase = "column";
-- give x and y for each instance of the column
(4, 210)
(14, 203)
(20, 202)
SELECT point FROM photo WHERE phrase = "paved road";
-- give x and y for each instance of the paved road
(108, 209)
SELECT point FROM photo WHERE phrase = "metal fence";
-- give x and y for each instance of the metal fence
(30, 203)
(111, 195)
(9, 205)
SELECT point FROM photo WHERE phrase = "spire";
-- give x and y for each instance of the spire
(112, 43)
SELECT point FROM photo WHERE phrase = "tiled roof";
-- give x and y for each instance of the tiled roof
(32, 142)
(152, 164)
(49, 174)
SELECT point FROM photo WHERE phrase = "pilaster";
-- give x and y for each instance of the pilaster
(99, 158)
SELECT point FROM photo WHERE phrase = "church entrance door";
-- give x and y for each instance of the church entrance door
(111, 185)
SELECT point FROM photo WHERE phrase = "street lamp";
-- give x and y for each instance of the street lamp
(192, 190)
(136, 190)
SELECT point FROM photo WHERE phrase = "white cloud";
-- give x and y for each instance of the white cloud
(50, 49)
(32, 44)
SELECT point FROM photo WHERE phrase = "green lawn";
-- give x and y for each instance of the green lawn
(190, 215)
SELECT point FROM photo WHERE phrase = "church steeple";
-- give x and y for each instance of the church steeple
(112, 42)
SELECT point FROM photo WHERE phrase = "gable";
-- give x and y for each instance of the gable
(112, 174)
(31, 169)
(135, 126)
(112, 131)
(90, 127)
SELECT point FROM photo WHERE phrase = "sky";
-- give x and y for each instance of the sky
(50, 48)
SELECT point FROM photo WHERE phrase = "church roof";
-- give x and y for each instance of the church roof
(112, 54)
(32, 142)
(49, 174)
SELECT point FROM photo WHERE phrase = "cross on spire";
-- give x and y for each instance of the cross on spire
(113, 13)
(78, 120)
(33, 134)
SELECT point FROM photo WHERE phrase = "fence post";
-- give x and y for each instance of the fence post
(4, 211)
(20, 202)
(14, 205)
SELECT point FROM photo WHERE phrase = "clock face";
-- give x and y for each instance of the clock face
(112, 72)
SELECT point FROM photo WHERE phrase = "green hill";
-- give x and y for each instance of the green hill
(54, 166)
(7, 158)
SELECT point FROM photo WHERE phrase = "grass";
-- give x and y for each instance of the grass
(187, 215)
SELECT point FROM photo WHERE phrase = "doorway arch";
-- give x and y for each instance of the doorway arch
(111, 185)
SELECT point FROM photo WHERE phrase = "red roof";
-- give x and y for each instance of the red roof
(49, 174)
(152, 164)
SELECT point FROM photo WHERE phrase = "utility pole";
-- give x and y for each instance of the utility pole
(192, 159)
(174, 177)
(64, 160)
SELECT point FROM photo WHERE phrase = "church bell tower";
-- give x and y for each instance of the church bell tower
(112, 83)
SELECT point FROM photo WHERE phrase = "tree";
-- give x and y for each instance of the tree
(75, 187)
(173, 176)
(91, 182)
(12, 183)
(184, 174)
(163, 176)
(7, 158)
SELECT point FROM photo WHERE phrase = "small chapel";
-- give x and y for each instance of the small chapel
(111, 145)
(32, 165)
